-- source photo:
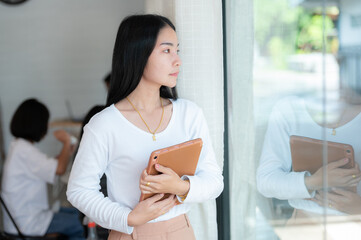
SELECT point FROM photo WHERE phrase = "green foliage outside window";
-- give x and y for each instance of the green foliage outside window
(310, 33)
(282, 30)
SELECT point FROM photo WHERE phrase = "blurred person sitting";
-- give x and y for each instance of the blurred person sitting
(27, 171)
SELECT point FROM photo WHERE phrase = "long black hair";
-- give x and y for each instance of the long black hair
(136, 39)
(30, 120)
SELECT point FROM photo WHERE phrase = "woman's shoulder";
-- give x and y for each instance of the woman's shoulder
(288, 100)
(23, 144)
(23, 149)
(188, 112)
(186, 105)
(103, 118)
(289, 104)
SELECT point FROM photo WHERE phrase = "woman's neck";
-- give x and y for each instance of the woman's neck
(146, 99)
(335, 113)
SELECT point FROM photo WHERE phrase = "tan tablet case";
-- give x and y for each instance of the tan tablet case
(181, 158)
(307, 153)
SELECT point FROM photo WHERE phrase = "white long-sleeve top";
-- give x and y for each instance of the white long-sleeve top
(114, 146)
(275, 177)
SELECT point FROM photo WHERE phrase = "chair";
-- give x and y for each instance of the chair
(21, 236)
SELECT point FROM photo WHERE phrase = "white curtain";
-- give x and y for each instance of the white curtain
(199, 30)
(242, 164)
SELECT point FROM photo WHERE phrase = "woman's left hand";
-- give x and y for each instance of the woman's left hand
(340, 199)
(166, 182)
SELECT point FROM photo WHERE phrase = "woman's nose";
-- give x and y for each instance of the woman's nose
(177, 61)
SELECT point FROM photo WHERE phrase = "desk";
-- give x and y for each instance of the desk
(66, 124)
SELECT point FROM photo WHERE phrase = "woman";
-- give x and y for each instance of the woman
(27, 171)
(143, 115)
(304, 191)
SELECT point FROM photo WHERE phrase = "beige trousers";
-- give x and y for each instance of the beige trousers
(177, 228)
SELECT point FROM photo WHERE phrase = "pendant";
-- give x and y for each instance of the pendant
(333, 132)
(154, 137)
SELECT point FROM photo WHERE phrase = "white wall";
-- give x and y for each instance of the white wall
(57, 50)
(349, 36)
(163, 7)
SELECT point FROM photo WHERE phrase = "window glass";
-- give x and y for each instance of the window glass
(307, 121)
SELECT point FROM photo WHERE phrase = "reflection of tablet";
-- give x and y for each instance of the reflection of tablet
(181, 158)
(307, 153)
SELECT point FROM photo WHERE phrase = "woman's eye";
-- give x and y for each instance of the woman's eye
(178, 51)
(167, 51)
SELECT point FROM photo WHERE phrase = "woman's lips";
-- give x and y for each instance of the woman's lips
(174, 74)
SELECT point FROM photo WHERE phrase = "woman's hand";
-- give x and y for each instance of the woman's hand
(65, 153)
(166, 182)
(150, 209)
(342, 200)
(337, 176)
(62, 136)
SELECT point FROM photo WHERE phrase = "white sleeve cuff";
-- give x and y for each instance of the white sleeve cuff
(184, 178)
(313, 193)
(129, 230)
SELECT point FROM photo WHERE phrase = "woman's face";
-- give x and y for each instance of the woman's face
(163, 63)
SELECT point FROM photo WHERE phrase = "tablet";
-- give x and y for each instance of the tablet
(181, 158)
(307, 153)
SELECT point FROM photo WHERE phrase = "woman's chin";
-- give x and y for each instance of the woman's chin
(171, 84)
(174, 84)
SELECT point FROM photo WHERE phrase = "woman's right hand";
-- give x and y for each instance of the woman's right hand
(337, 176)
(62, 136)
(150, 209)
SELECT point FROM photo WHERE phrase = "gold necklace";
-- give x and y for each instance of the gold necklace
(339, 121)
(140, 115)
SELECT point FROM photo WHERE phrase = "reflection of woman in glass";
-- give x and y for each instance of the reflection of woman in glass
(143, 115)
(300, 117)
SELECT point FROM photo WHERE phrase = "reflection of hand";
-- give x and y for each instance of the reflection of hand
(337, 176)
(150, 209)
(342, 200)
(62, 136)
(166, 182)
